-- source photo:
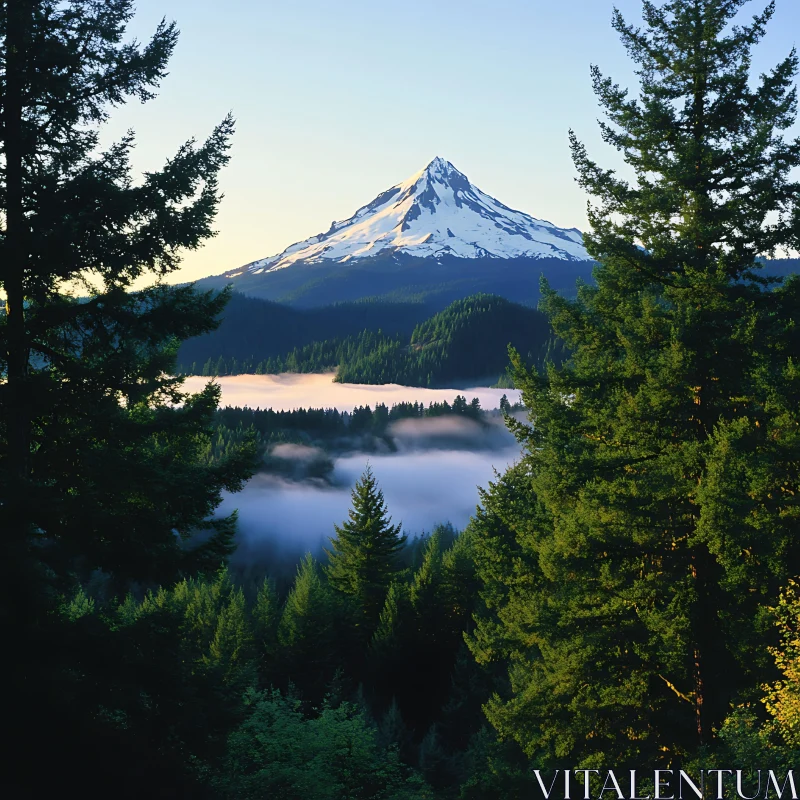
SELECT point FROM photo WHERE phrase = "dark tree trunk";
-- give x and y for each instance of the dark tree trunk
(17, 418)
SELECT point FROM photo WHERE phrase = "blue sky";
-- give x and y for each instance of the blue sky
(337, 101)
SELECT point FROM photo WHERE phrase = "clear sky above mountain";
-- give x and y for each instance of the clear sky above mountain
(336, 102)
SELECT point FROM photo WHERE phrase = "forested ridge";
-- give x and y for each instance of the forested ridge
(253, 330)
(625, 595)
(397, 277)
(467, 341)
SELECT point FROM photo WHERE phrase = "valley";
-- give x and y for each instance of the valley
(430, 448)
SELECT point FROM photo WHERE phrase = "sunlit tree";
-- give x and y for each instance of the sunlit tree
(628, 560)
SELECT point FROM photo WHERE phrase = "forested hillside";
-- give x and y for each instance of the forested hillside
(252, 330)
(403, 278)
(467, 341)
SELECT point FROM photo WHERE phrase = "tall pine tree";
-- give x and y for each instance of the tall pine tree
(628, 560)
(95, 462)
(363, 556)
(307, 634)
(100, 451)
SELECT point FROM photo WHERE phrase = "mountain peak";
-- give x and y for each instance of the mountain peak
(440, 166)
(440, 170)
(435, 213)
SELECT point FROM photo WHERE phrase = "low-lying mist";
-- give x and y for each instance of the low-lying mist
(291, 390)
(432, 478)
(449, 433)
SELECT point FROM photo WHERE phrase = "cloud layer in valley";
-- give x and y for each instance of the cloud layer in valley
(433, 478)
(288, 391)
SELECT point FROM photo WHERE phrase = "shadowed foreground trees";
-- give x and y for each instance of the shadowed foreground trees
(99, 470)
(629, 567)
(97, 464)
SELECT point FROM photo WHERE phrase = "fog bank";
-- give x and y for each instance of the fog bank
(433, 477)
(291, 390)
(283, 518)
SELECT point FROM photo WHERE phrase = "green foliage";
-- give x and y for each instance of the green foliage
(783, 697)
(616, 587)
(177, 681)
(79, 606)
(427, 580)
(101, 465)
(496, 771)
(420, 633)
(255, 332)
(232, 644)
(628, 560)
(752, 739)
(363, 558)
(256, 431)
(335, 754)
(751, 742)
(110, 474)
(266, 615)
(150, 687)
(215, 626)
(185, 663)
(307, 634)
(468, 340)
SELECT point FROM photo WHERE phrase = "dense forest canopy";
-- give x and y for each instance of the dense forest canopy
(100, 451)
(253, 330)
(365, 428)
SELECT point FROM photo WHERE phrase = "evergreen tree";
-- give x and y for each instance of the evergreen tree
(427, 595)
(459, 586)
(101, 453)
(232, 647)
(628, 560)
(279, 752)
(85, 390)
(266, 616)
(306, 634)
(363, 556)
(756, 741)
(390, 659)
(474, 409)
(420, 632)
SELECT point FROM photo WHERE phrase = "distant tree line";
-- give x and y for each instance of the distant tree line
(235, 427)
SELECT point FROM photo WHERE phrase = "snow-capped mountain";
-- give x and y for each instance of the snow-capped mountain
(432, 239)
(436, 213)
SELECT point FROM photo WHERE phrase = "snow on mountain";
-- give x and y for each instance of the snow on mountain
(435, 213)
